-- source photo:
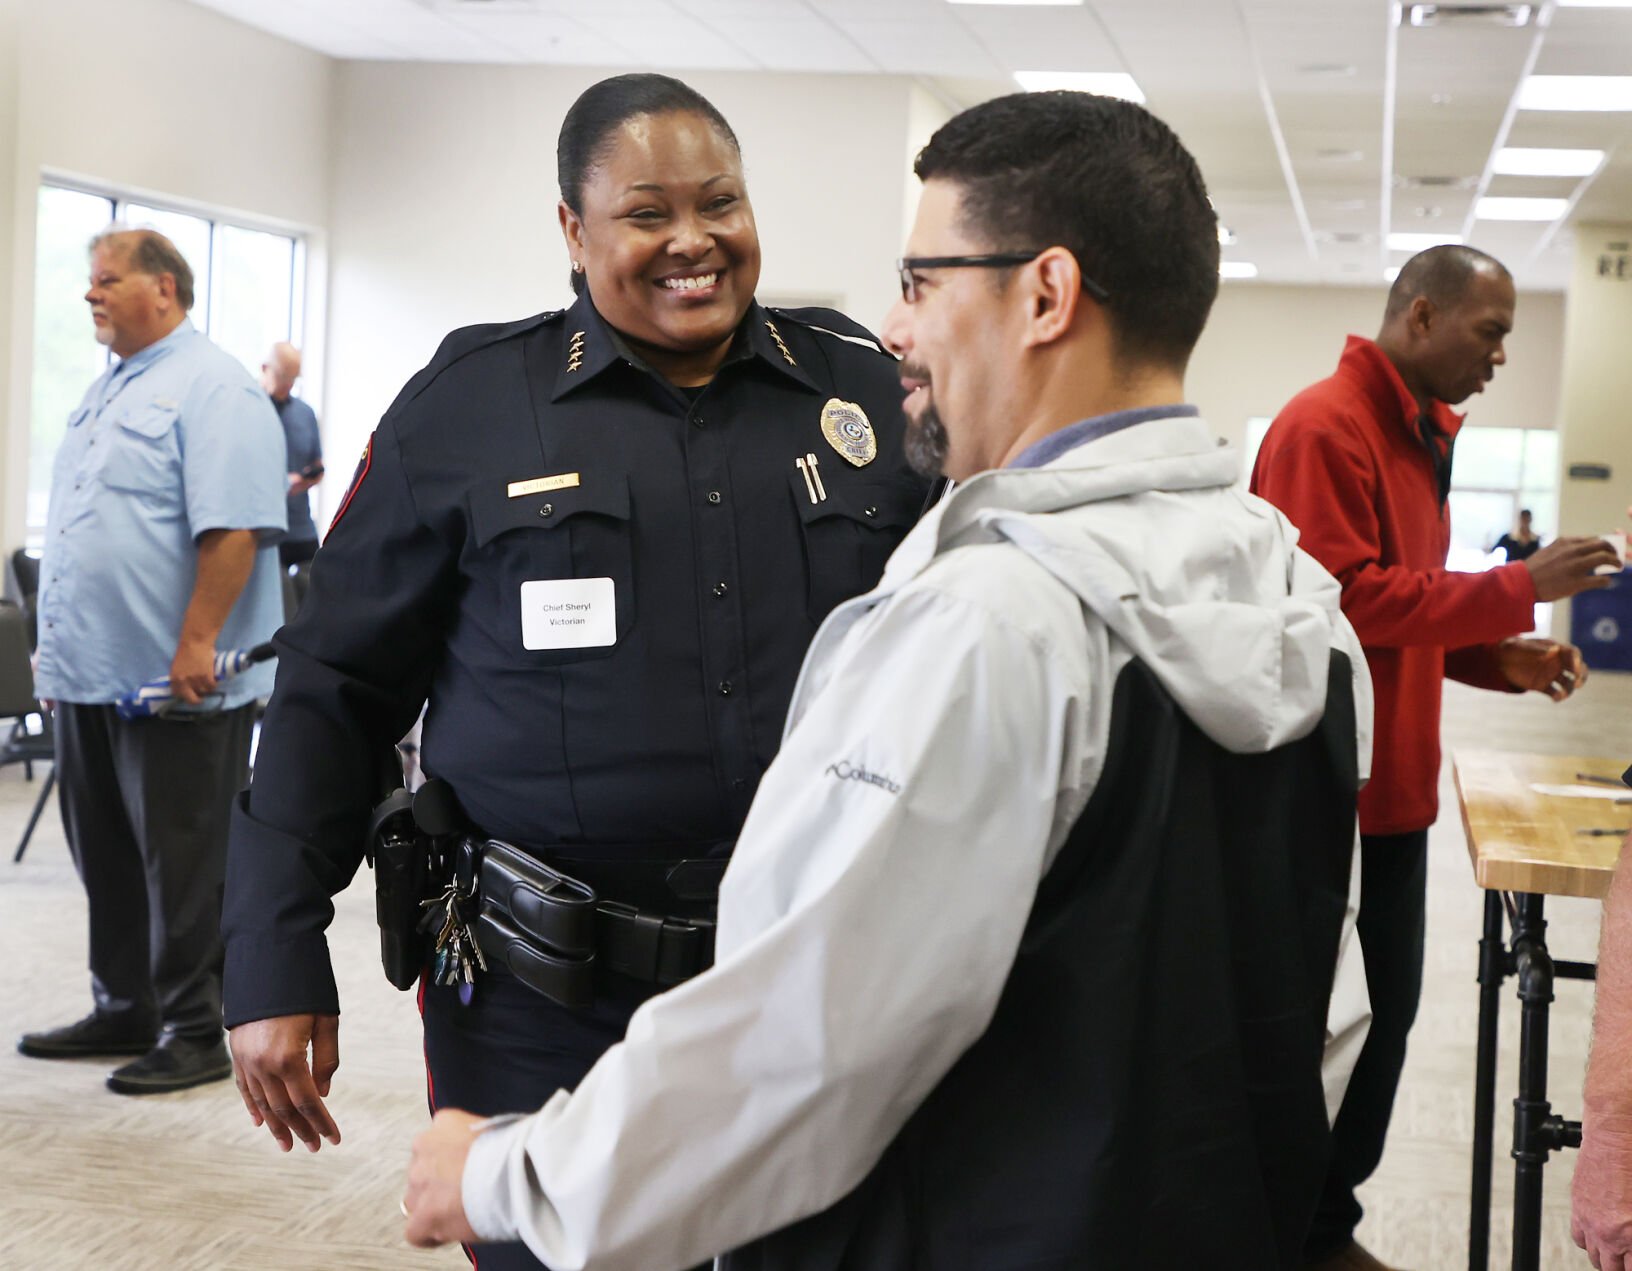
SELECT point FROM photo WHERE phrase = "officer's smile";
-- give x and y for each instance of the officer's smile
(699, 283)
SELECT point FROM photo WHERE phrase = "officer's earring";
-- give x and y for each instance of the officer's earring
(577, 266)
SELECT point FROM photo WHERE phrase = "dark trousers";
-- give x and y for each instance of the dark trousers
(1393, 899)
(145, 805)
(509, 1051)
(296, 551)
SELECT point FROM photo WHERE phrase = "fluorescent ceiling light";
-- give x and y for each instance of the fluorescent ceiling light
(1226, 235)
(1576, 92)
(1105, 83)
(1489, 209)
(1419, 242)
(1518, 161)
(1237, 269)
(1391, 273)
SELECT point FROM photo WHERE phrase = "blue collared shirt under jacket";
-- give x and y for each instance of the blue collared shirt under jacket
(169, 443)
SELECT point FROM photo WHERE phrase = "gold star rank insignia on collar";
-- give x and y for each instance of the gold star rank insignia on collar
(847, 429)
(780, 347)
(575, 352)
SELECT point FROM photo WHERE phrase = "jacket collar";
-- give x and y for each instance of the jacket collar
(1383, 383)
(593, 346)
(1177, 452)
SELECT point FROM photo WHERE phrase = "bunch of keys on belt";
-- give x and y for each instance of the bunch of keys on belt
(457, 954)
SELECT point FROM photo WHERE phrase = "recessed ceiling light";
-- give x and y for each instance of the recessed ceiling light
(1576, 92)
(1499, 14)
(1105, 83)
(1398, 242)
(1519, 161)
(1237, 269)
(1491, 209)
(1435, 182)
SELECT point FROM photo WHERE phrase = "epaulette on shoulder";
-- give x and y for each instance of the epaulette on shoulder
(831, 322)
(464, 341)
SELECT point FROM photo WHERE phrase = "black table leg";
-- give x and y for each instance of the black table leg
(1532, 1142)
(1493, 969)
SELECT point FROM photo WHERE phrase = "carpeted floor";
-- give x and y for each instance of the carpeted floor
(94, 1181)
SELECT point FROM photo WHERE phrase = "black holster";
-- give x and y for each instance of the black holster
(406, 873)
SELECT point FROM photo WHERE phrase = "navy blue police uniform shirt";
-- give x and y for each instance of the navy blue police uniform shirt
(728, 525)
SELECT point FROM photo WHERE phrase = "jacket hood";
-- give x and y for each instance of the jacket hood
(1198, 578)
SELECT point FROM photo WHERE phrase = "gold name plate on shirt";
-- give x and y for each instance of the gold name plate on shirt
(520, 489)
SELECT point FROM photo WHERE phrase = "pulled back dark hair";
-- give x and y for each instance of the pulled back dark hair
(603, 108)
(1109, 182)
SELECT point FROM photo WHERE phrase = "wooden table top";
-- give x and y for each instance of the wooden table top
(1523, 841)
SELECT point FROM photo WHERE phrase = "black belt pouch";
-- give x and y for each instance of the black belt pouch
(538, 923)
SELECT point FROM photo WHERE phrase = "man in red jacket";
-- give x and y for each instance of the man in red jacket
(1361, 463)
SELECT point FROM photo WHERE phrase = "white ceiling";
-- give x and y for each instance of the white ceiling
(1287, 104)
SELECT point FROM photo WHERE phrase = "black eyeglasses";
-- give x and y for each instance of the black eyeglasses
(908, 265)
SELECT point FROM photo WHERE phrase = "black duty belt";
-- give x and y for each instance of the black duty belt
(555, 933)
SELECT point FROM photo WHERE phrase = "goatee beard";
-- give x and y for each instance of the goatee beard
(926, 443)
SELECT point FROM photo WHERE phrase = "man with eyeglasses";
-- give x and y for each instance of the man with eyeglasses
(1025, 953)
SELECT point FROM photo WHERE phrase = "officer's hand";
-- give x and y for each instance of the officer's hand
(192, 671)
(1601, 1196)
(436, 1170)
(281, 1090)
(1564, 567)
(1546, 666)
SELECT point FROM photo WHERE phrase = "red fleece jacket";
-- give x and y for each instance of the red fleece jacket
(1345, 461)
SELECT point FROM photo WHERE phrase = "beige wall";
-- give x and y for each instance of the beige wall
(1596, 424)
(1265, 343)
(183, 104)
(445, 206)
(1597, 387)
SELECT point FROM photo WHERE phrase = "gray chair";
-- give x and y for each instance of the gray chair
(17, 703)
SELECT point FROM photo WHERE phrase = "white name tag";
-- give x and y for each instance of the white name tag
(568, 613)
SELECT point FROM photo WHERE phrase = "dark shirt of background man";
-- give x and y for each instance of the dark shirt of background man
(305, 452)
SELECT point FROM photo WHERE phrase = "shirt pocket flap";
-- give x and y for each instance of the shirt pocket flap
(493, 512)
(152, 420)
(877, 504)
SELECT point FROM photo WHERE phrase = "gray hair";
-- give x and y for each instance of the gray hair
(150, 252)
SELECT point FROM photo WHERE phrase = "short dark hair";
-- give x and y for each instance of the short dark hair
(603, 108)
(1441, 274)
(150, 252)
(1109, 182)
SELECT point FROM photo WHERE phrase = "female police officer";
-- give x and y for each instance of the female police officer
(598, 541)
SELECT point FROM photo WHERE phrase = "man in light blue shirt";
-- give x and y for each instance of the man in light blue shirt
(167, 502)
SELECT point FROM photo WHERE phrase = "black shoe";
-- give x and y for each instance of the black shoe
(94, 1035)
(174, 1064)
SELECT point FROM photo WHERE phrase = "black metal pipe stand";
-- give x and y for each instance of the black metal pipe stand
(1537, 1133)
(1493, 970)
